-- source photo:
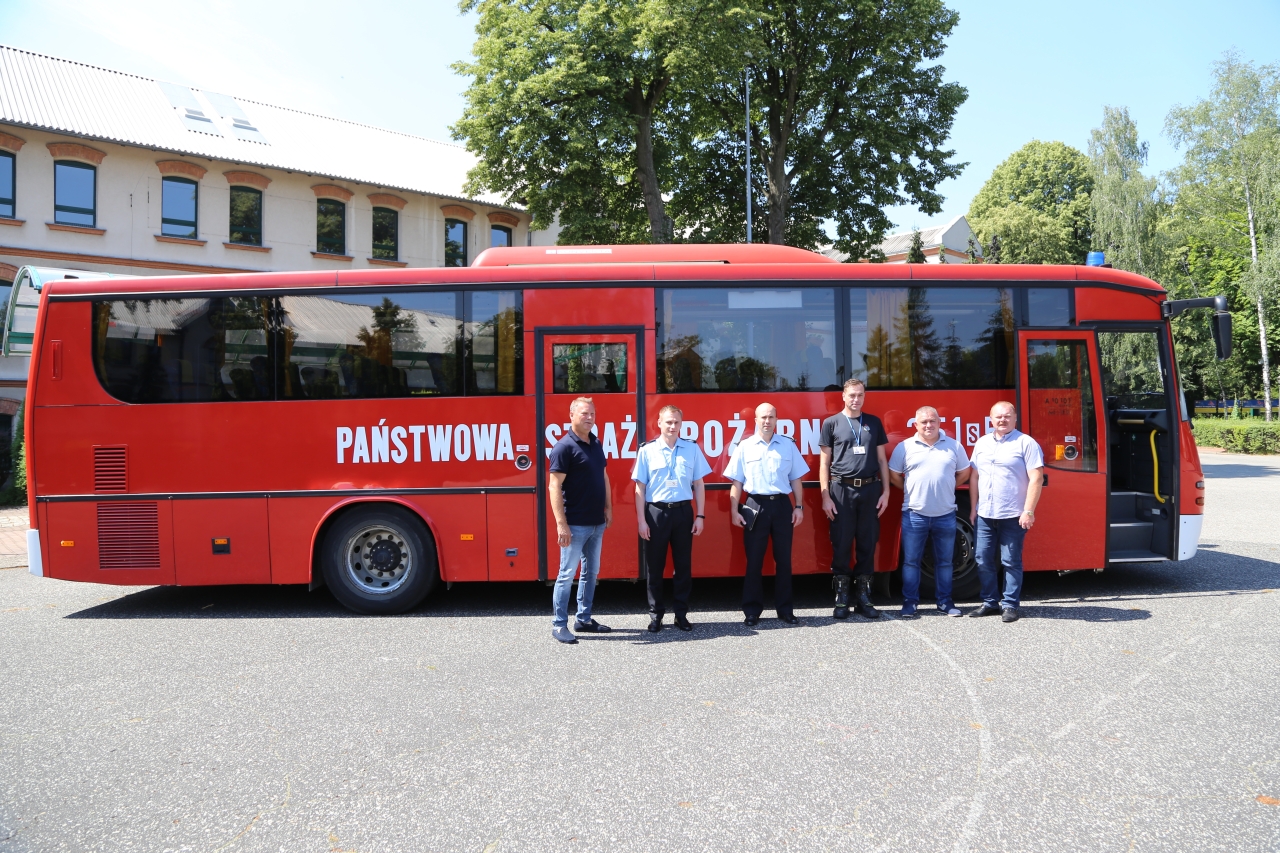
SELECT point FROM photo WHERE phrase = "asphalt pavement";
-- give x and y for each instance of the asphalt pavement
(1130, 710)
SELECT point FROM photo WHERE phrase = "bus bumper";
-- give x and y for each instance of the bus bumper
(1189, 535)
(34, 563)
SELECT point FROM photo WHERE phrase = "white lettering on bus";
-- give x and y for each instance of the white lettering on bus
(787, 428)
(712, 438)
(971, 433)
(344, 441)
(361, 452)
(379, 443)
(689, 430)
(461, 443)
(739, 427)
(610, 442)
(400, 452)
(553, 434)
(417, 441)
(810, 433)
(504, 443)
(628, 444)
(438, 437)
(485, 441)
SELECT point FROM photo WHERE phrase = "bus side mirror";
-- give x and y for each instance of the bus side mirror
(1222, 334)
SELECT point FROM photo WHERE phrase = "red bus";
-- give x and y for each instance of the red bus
(381, 431)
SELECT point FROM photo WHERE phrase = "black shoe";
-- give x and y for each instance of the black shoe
(682, 622)
(1009, 614)
(789, 618)
(751, 621)
(862, 598)
(985, 610)
(592, 627)
(842, 583)
(655, 624)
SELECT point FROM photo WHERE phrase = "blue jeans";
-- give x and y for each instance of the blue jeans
(1000, 544)
(584, 545)
(918, 529)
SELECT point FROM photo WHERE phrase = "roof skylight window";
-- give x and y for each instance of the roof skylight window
(232, 112)
(190, 111)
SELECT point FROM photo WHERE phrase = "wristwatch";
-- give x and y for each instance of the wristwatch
(699, 516)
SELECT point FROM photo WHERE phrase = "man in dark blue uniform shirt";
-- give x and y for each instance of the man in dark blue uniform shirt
(578, 490)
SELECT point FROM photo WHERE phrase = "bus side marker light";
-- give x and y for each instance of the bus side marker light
(1199, 501)
(222, 545)
(1059, 450)
(68, 543)
(468, 537)
(1199, 484)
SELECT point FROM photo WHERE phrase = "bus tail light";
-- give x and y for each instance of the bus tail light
(1199, 501)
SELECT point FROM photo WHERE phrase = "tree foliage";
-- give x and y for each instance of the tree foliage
(915, 253)
(1126, 204)
(1037, 202)
(625, 118)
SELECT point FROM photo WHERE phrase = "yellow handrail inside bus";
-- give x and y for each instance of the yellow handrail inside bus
(1155, 468)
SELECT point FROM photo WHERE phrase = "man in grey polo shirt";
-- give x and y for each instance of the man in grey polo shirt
(1003, 493)
(928, 467)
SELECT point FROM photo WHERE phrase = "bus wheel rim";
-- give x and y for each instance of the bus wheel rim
(378, 560)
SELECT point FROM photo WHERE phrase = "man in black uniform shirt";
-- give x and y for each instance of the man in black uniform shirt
(854, 473)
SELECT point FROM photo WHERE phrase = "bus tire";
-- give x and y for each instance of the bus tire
(964, 580)
(379, 559)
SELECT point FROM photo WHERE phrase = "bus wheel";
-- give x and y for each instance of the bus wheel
(379, 559)
(964, 580)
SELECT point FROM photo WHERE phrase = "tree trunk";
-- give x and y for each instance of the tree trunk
(1262, 308)
(652, 195)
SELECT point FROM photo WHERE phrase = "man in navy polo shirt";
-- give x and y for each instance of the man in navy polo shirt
(579, 493)
(928, 467)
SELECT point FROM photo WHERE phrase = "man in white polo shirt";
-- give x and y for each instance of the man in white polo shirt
(1003, 493)
(928, 467)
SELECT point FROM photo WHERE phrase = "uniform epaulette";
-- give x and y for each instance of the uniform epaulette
(650, 441)
(787, 437)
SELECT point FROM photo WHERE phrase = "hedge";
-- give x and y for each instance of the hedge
(1238, 436)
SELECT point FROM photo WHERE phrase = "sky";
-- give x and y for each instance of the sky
(1034, 70)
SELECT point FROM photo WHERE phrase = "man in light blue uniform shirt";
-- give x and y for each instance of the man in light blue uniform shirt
(1003, 493)
(769, 467)
(928, 467)
(669, 510)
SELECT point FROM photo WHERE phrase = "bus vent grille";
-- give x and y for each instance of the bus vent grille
(129, 535)
(110, 469)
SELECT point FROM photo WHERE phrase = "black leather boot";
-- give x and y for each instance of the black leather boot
(841, 583)
(862, 599)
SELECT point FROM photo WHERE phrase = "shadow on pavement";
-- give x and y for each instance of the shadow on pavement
(1081, 596)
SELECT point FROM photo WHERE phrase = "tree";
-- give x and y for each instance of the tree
(849, 116)
(567, 101)
(1231, 143)
(1126, 205)
(1037, 200)
(915, 254)
(992, 255)
(972, 252)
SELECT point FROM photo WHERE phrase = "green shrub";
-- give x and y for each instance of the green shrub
(16, 495)
(1238, 436)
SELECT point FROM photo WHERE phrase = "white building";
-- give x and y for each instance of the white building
(111, 172)
(943, 244)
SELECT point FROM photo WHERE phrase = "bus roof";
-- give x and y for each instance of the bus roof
(618, 266)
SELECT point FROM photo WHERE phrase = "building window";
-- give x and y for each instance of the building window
(386, 234)
(246, 216)
(178, 208)
(500, 235)
(331, 227)
(6, 185)
(75, 191)
(455, 243)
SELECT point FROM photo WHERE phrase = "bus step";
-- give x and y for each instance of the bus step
(1136, 556)
(1123, 505)
(1130, 536)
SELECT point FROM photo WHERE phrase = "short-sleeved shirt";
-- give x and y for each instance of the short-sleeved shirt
(668, 473)
(766, 468)
(843, 434)
(929, 473)
(1003, 465)
(582, 463)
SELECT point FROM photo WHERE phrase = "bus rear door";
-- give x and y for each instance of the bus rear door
(1058, 399)
(605, 364)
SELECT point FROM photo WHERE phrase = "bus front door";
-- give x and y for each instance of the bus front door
(1059, 396)
(607, 365)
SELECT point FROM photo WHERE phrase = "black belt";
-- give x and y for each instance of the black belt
(866, 481)
(770, 497)
(669, 504)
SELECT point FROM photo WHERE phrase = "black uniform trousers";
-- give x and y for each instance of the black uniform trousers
(855, 522)
(773, 522)
(669, 524)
